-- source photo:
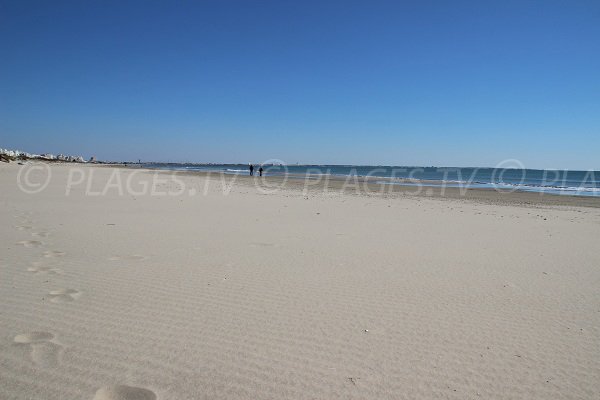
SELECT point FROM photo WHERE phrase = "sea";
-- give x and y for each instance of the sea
(560, 182)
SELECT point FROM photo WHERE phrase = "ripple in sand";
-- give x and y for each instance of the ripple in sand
(133, 257)
(40, 234)
(262, 244)
(30, 243)
(44, 270)
(54, 254)
(123, 392)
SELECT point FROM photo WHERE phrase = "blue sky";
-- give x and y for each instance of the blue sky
(398, 83)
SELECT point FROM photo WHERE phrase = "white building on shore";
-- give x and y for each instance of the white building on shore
(47, 156)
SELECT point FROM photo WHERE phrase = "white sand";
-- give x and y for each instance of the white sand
(254, 296)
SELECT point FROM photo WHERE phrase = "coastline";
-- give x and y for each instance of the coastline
(564, 182)
(368, 186)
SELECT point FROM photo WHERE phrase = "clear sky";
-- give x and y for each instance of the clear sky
(445, 83)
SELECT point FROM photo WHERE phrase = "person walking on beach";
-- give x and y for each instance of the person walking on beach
(251, 169)
(260, 171)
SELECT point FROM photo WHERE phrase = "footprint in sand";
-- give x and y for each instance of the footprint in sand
(40, 234)
(133, 257)
(64, 295)
(122, 392)
(30, 243)
(54, 254)
(42, 350)
(45, 270)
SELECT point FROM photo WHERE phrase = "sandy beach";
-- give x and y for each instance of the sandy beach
(132, 284)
